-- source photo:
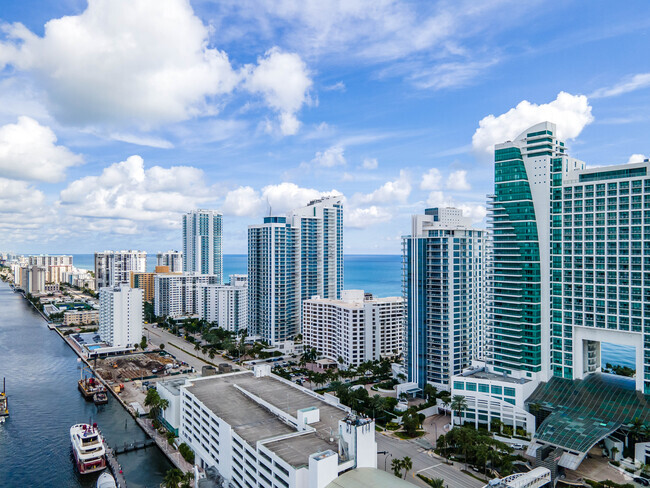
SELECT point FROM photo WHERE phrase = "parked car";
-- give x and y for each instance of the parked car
(641, 481)
(517, 447)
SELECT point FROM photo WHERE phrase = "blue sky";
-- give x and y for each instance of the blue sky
(118, 115)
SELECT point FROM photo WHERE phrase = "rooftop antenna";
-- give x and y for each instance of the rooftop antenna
(268, 204)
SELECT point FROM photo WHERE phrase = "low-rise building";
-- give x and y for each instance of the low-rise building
(356, 328)
(170, 390)
(120, 316)
(227, 305)
(261, 431)
(81, 317)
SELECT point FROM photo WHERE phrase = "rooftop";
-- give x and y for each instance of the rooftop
(254, 421)
(481, 374)
(364, 477)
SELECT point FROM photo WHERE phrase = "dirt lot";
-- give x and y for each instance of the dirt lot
(132, 367)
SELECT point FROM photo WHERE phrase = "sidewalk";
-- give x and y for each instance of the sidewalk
(172, 454)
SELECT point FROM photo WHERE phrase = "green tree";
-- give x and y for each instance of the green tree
(407, 464)
(459, 405)
(396, 466)
(143, 342)
(162, 346)
(430, 392)
(186, 452)
(173, 477)
(411, 422)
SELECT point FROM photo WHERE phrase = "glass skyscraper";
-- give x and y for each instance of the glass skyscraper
(202, 243)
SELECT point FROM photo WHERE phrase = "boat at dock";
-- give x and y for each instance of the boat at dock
(105, 480)
(100, 398)
(89, 385)
(88, 448)
(4, 404)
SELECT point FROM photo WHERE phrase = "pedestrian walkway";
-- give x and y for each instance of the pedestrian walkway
(172, 454)
(115, 467)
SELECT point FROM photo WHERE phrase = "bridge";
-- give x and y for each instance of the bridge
(535, 478)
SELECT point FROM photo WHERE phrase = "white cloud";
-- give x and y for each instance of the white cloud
(370, 163)
(243, 202)
(636, 82)
(458, 181)
(329, 158)
(475, 211)
(637, 158)
(396, 191)
(449, 75)
(338, 86)
(571, 113)
(28, 151)
(431, 180)
(121, 61)
(360, 218)
(439, 199)
(130, 193)
(284, 82)
(140, 140)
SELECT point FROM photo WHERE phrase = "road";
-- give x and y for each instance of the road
(423, 463)
(194, 358)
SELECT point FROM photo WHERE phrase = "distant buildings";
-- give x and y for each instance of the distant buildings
(55, 266)
(120, 316)
(80, 317)
(115, 267)
(291, 259)
(172, 259)
(226, 305)
(356, 328)
(30, 278)
(257, 429)
(147, 283)
(444, 272)
(202, 243)
(176, 295)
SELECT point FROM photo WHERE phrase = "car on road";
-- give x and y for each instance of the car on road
(641, 481)
(517, 447)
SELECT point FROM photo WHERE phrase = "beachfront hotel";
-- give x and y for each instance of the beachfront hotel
(203, 243)
(444, 272)
(356, 328)
(261, 431)
(571, 270)
(291, 259)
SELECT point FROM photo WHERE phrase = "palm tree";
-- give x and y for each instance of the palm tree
(437, 482)
(172, 478)
(187, 480)
(459, 405)
(407, 464)
(429, 391)
(396, 466)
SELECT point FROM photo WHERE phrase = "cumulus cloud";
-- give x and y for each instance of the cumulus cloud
(360, 218)
(458, 181)
(329, 158)
(637, 158)
(571, 113)
(121, 60)
(284, 82)
(28, 151)
(370, 163)
(431, 180)
(632, 83)
(130, 193)
(396, 191)
(243, 202)
(476, 211)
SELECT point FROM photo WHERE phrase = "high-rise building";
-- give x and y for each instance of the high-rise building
(120, 315)
(55, 266)
(225, 305)
(291, 259)
(115, 267)
(176, 295)
(171, 259)
(356, 328)
(202, 243)
(443, 274)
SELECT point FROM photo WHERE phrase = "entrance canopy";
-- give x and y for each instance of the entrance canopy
(583, 412)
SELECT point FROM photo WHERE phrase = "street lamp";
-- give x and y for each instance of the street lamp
(386, 458)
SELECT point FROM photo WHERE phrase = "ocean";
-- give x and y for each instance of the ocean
(377, 274)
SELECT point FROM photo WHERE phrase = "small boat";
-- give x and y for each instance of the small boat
(106, 480)
(88, 448)
(100, 398)
(89, 385)
(4, 404)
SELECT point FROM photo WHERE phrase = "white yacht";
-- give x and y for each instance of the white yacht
(88, 448)
(105, 480)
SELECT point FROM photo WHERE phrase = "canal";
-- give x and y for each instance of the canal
(42, 373)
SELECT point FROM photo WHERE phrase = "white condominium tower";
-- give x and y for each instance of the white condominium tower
(202, 243)
(172, 259)
(291, 259)
(443, 273)
(225, 305)
(356, 328)
(115, 267)
(121, 315)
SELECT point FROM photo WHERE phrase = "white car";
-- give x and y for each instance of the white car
(517, 447)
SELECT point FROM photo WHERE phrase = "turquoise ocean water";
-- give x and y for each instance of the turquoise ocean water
(377, 274)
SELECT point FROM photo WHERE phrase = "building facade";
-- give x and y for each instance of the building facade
(443, 276)
(272, 433)
(291, 259)
(354, 329)
(225, 305)
(81, 317)
(121, 316)
(172, 259)
(176, 295)
(202, 243)
(115, 267)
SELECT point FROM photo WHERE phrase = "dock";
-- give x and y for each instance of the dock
(134, 446)
(116, 469)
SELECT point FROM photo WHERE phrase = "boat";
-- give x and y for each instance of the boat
(106, 480)
(89, 385)
(4, 404)
(88, 448)
(100, 398)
